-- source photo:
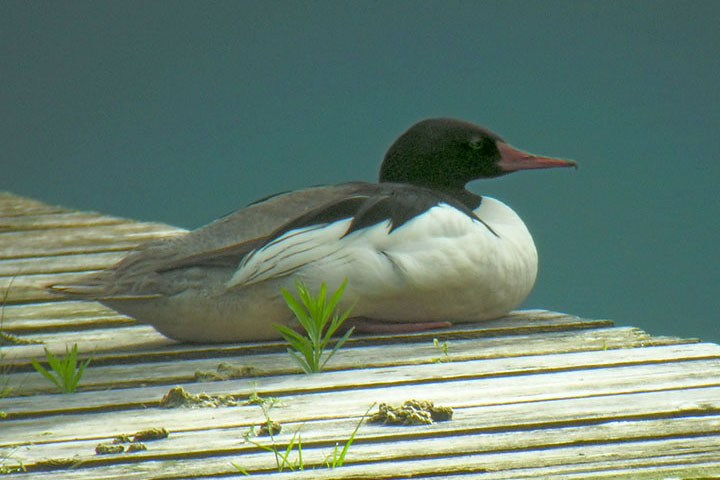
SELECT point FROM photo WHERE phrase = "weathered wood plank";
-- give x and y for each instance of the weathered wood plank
(124, 339)
(177, 370)
(140, 338)
(224, 439)
(39, 312)
(459, 379)
(68, 436)
(66, 314)
(12, 205)
(102, 238)
(500, 464)
(675, 466)
(55, 220)
(54, 316)
(60, 264)
(31, 288)
(575, 448)
(536, 394)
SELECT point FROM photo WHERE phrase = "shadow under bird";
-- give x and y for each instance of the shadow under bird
(418, 249)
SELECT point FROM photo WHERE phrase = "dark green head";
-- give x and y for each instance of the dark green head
(445, 154)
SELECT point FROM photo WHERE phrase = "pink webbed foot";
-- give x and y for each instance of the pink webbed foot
(369, 325)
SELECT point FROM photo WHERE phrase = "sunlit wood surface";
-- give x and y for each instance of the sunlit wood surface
(537, 394)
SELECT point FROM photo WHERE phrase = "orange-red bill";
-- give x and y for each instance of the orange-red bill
(513, 159)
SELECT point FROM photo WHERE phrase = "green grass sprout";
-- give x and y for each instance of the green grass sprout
(240, 469)
(4, 392)
(338, 459)
(314, 312)
(443, 347)
(67, 369)
(6, 338)
(282, 459)
(5, 389)
(10, 464)
(2, 310)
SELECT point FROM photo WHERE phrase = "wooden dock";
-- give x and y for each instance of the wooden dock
(537, 394)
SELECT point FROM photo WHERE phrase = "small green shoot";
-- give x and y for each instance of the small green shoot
(10, 464)
(240, 469)
(338, 459)
(282, 459)
(4, 392)
(5, 389)
(265, 403)
(444, 349)
(67, 369)
(313, 312)
(6, 338)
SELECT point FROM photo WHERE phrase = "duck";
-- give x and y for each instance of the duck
(417, 249)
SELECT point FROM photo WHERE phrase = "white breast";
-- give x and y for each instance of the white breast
(441, 265)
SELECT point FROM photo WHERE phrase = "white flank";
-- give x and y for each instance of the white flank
(290, 252)
(440, 264)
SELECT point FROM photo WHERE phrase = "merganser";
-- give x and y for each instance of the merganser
(418, 249)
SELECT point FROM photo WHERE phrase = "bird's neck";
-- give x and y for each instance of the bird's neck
(467, 198)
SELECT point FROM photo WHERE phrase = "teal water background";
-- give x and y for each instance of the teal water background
(183, 111)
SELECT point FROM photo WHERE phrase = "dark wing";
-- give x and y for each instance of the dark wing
(373, 204)
(168, 267)
(317, 234)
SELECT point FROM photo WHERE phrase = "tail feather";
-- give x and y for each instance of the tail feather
(77, 290)
(98, 286)
(89, 286)
(93, 292)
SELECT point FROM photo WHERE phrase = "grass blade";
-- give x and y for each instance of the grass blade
(45, 373)
(301, 362)
(337, 345)
(240, 468)
(66, 370)
(292, 337)
(296, 308)
(313, 312)
(300, 460)
(346, 447)
(335, 298)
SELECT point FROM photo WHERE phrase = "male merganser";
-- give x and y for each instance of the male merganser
(418, 249)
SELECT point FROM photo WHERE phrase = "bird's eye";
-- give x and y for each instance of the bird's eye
(476, 144)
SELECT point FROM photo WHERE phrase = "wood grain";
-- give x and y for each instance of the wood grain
(536, 394)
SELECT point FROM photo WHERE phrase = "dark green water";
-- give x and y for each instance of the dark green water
(183, 111)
